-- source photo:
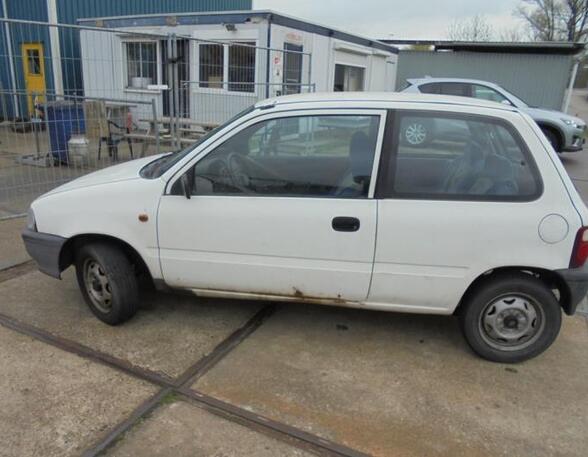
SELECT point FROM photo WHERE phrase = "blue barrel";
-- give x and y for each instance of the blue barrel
(64, 119)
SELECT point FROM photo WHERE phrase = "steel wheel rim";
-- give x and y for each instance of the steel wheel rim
(415, 134)
(97, 286)
(511, 322)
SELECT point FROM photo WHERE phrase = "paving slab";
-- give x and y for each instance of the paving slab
(12, 250)
(55, 403)
(183, 430)
(392, 384)
(168, 335)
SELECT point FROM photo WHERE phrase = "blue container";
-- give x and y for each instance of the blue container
(64, 119)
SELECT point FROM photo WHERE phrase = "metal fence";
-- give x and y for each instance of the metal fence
(110, 95)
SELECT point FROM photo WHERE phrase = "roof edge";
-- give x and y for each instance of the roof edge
(216, 17)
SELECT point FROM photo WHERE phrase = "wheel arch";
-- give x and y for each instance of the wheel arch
(555, 129)
(551, 279)
(68, 250)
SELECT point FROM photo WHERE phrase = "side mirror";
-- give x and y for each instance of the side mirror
(186, 185)
(506, 102)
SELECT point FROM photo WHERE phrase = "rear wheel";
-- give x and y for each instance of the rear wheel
(108, 282)
(511, 318)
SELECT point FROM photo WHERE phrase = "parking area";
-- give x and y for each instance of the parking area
(192, 376)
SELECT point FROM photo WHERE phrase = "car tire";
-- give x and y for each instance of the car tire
(510, 318)
(553, 139)
(416, 134)
(108, 282)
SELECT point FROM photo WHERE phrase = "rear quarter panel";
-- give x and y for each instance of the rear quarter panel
(430, 251)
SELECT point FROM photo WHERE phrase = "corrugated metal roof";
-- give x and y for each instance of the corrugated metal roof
(527, 47)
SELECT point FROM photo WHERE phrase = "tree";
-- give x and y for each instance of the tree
(472, 29)
(556, 20)
(511, 35)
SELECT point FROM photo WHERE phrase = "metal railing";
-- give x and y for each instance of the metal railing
(110, 95)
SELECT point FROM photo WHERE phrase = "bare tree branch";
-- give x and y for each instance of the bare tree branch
(555, 20)
(473, 29)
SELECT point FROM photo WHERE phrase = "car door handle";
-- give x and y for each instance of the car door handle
(345, 224)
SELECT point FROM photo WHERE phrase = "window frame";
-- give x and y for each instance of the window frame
(387, 171)
(125, 72)
(263, 117)
(225, 83)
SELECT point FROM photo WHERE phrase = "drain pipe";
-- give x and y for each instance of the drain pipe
(10, 60)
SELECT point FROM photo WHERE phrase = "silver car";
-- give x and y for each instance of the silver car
(564, 132)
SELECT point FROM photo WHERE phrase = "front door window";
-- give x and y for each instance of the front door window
(329, 156)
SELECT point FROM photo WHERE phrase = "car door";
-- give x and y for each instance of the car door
(283, 207)
(455, 209)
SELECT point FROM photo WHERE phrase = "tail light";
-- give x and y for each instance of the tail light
(580, 252)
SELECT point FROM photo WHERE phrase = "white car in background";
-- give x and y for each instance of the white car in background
(564, 132)
(314, 198)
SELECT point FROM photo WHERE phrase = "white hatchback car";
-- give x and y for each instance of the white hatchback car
(315, 198)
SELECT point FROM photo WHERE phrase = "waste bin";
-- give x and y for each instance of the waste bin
(64, 119)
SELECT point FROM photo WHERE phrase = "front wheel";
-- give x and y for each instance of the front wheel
(511, 318)
(107, 282)
(553, 139)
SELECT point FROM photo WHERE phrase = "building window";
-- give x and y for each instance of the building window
(292, 68)
(349, 78)
(212, 65)
(228, 66)
(34, 61)
(141, 64)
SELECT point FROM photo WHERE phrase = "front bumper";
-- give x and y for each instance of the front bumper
(576, 281)
(45, 250)
(575, 140)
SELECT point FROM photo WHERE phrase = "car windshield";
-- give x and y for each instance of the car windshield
(159, 166)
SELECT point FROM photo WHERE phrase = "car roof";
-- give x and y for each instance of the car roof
(355, 98)
(450, 80)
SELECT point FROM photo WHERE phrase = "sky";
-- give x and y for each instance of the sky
(397, 19)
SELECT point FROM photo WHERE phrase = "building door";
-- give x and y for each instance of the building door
(292, 68)
(34, 74)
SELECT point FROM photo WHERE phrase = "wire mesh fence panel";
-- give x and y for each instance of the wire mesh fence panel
(105, 96)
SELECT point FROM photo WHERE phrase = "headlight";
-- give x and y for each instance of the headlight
(571, 123)
(31, 223)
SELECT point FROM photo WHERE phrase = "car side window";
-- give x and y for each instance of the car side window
(459, 157)
(487, 93)
(457, 89)
(306, 156)
(430, 88)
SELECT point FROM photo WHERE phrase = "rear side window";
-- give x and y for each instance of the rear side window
(457, 89)
(431, 88)
(458, 157)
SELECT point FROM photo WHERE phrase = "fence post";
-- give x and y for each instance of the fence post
(155, 125)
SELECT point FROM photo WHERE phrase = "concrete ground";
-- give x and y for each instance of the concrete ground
(203, 377)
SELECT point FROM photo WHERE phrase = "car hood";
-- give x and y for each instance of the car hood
(121, 172)
(548, 114)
